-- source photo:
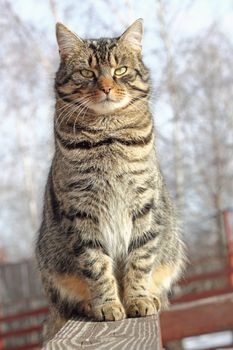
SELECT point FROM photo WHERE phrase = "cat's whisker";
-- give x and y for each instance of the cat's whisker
(84, 111)
(68, 115)
(61, 117)
(85, 108)
(69, 103)
(62, 110)
(66, 104)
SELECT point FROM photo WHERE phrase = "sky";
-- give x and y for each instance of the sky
(201, 14)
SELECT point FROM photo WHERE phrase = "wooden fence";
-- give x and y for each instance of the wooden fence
(19, 281)
(21, 299)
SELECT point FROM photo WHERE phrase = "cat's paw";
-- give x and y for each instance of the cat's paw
(140, 307)
(109, 312)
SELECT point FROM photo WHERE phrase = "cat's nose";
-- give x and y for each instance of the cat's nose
(106, 89)
(105, 85)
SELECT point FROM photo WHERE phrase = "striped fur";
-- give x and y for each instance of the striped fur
(109, 245)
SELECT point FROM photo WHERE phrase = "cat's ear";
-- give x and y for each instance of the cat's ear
(133, 35)
(67, 41)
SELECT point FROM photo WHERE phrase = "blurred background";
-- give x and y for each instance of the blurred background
(188, 47)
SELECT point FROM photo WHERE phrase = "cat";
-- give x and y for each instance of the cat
(109, 245)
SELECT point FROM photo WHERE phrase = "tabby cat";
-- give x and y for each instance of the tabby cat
(109, 245)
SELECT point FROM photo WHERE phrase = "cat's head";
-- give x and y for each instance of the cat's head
(102, 74)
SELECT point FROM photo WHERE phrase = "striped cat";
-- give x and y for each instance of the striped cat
(109, 245)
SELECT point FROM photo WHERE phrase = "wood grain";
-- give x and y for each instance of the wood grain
(131, 334)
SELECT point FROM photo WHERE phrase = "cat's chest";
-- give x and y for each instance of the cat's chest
(116, 223)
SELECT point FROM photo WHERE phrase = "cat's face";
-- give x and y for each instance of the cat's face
(103, 75)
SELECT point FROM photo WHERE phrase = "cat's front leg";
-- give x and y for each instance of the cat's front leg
(105, 303)
(97, 271)
(95, 278)
(139, 300)
(149, 273)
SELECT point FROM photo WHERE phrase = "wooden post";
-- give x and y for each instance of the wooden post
(130, 334)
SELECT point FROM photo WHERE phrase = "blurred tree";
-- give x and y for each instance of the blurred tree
(23, 64)
(170, 82)
(207, 125)
(196, 87)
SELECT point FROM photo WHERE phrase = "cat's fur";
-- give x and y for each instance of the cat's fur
(109, 245)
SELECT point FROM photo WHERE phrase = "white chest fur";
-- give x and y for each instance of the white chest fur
(117, 226)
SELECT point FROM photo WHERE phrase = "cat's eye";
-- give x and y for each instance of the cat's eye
(87, 73)
(120, 71)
